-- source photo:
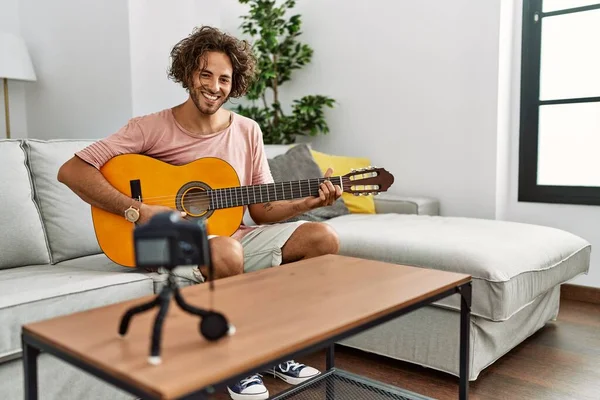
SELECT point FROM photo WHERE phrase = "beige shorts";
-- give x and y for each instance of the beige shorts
(262, 246)
(262, 249)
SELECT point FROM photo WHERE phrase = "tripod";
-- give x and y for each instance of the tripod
(213, 326)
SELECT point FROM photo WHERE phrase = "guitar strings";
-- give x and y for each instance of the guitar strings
(224, 197)
(230, 196)
(239, 189)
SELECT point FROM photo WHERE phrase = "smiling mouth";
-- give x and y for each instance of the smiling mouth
(210, 97)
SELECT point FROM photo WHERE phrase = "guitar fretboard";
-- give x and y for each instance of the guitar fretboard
(244, 195)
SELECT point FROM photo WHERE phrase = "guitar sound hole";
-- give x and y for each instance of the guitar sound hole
(195, 201)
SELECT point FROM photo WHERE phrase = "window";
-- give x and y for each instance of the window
(559, 152)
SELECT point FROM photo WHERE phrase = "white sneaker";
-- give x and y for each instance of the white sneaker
(293, 372)
(250, 388)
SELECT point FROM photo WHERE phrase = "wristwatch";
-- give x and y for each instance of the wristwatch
(132, 214)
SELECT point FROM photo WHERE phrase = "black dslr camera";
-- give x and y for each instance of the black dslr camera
(167, 240)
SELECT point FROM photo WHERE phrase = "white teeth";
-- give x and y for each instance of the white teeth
(209, 96)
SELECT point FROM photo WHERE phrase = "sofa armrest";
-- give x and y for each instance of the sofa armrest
(394, 203)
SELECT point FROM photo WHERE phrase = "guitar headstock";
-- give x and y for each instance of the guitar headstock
(366, 181)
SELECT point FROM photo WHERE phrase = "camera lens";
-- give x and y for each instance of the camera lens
(186, 249)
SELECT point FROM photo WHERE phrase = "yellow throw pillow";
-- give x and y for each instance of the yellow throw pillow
(342, 165)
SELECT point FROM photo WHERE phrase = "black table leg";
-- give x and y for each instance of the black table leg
(30, 356)
(329, 364)
(465, 324)
(330, 357)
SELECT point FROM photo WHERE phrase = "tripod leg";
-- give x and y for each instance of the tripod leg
(188, 307)
(132, 311)
(164, 299)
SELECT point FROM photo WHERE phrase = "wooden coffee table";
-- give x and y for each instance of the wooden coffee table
(279, 313)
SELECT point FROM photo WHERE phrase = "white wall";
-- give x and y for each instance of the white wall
(80, 51)
(429, 90)
(578, 219)
(10, 22)
(417, 91)
(155, 26)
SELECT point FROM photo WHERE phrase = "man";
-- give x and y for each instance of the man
(212, 66)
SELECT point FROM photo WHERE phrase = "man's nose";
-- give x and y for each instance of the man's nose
(213, 85)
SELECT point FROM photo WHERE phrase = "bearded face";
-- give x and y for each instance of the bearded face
(211, 85)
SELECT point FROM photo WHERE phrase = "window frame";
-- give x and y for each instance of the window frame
(528, 188)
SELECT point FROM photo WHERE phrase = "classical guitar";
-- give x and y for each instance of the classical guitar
(206, 188)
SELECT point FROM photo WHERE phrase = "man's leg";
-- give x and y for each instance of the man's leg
(311, 239)
(271, 245)
(227, 255)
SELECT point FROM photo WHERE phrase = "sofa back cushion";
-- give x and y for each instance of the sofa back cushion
(22, 240)
(67, 218)
(296, 164)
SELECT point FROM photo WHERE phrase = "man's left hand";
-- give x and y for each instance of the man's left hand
(328, 194)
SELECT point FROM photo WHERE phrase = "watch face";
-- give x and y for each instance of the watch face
(131, 214)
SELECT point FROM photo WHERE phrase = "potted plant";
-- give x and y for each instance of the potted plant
(279, 53)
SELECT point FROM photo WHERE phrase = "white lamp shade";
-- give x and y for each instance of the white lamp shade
(15, 62)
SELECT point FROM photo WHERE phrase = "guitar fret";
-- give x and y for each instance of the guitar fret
(245, 195)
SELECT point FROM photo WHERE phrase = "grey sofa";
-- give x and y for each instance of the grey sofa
(51, 265)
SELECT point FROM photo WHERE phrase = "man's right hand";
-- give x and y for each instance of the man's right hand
(147, 211)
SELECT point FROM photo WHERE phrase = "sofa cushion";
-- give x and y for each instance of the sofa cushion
(101, 262)
(67, 218)
(511, 263)
(37, 292)
(298, 164)
(22, 240)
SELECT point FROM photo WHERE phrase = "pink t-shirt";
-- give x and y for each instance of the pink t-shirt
(160, 136)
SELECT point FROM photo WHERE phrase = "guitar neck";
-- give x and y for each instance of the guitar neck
(245, 195)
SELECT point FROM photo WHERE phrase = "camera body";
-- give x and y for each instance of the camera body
(169, 241)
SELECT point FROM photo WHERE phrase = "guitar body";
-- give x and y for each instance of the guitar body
(177, 187)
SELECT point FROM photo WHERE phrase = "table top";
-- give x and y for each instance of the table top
(275, 311)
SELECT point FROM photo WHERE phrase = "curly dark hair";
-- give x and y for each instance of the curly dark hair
(186, 57)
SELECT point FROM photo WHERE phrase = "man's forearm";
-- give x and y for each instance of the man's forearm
(91, 186)
(278, 211)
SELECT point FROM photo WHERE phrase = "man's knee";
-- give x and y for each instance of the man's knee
(323, 237)
(227, 256)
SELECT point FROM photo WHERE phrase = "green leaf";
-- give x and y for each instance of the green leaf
(279, 52)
